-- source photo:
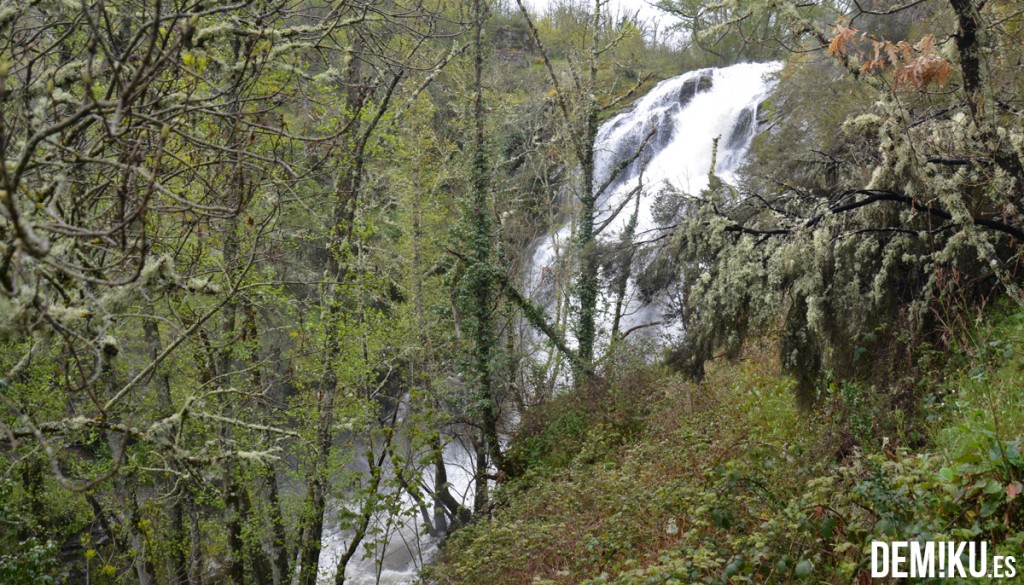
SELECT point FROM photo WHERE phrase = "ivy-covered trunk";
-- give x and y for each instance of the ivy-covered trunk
(588, 284)
(480, 273)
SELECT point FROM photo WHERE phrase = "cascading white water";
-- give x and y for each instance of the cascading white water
(686, 113)
(396, 546)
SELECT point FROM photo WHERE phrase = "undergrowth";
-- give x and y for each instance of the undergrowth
(647, 479)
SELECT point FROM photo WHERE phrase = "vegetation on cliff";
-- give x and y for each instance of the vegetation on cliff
(648, 478)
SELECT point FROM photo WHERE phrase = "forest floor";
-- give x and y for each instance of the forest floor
(648, 478)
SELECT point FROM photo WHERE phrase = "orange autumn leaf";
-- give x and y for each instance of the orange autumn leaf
(914, 66)
(844, 34)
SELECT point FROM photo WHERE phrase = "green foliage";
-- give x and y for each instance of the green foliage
(987, 389)
(731, 483)
(248, 257)
(594, 418)
(25, 560)
(624, 496)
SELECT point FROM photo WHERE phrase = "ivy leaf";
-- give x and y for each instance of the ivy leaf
(803, 568)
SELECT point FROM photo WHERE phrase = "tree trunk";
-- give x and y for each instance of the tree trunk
(347, 189)
(588, 285)
(177, 564)
(279, 542)
(481, 280)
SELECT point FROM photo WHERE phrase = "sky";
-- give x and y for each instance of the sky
(646, 11)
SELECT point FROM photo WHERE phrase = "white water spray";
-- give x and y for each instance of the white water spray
(686, 114)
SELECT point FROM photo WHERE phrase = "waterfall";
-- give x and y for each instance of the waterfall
(397, 543)
(686, 114)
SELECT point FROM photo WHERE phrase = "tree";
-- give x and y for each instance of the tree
(849, 239)
(479, 279)
(157, 156)
(131, 137)
(579, 108)
(727, 32)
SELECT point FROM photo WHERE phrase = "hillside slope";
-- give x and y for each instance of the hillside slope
(648, 479)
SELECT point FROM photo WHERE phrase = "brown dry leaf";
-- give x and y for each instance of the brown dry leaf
(844, 35)
(926, 45)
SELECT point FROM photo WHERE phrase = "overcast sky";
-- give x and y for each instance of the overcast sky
(646, 11)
